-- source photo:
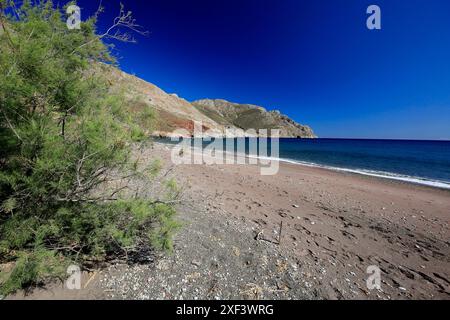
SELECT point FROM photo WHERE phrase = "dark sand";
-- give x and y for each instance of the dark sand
(335, 225)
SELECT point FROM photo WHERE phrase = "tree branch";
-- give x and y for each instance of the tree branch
(123, 20)
(11, 126)
(2, 23)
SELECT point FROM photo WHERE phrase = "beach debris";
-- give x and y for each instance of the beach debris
(281, 230)
(193, 276)
(90, 279)
(196, 263)
(258, 236)
(296, 206)
(277, 242)
(236, 251)
(253, 292)
(282, 266)
(163, 265)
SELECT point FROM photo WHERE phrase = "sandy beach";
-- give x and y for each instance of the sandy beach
(305, 233)
(340, 223)
(224, 151)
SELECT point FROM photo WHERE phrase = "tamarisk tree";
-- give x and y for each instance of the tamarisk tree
(66, 146)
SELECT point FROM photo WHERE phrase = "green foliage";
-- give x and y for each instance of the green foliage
(239, 115)
(32, 267)
(160, 237)
(64, 137)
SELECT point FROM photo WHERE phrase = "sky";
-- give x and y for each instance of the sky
(314, 60)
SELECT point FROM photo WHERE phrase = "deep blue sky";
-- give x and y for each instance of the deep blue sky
(314, 60)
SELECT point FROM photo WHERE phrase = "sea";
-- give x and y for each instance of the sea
(414, 161)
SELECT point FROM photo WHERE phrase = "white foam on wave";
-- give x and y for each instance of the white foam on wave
(372, 173)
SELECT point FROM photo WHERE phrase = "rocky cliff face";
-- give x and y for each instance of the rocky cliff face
(247, 116)
(216, 116)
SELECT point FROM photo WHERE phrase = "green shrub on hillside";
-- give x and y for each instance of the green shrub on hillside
(65, 140)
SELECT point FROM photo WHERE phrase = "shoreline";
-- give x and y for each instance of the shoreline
(335, 224)
(417, 181)
(305, 233)
(390, 176)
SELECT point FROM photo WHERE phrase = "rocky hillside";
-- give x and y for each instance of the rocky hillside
(216, 116)
(172, 112)
(247, 116)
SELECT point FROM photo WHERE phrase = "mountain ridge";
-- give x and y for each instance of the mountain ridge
(250, 116)
(218, 117)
